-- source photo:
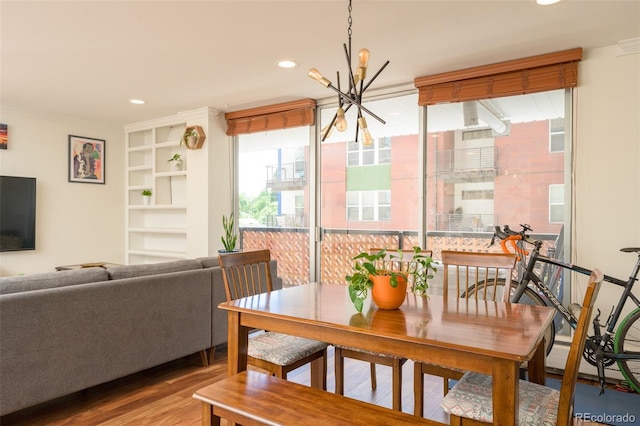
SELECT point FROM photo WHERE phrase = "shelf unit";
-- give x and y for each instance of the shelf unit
(156, 231)
(183, 219)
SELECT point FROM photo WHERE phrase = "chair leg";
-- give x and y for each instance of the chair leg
(418, 390)
(339, 371)
(397, 384)
(374, 379)
(445, 385)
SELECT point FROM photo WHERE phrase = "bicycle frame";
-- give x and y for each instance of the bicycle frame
(531, 276)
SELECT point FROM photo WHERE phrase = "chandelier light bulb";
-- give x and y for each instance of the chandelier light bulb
(341, 122)
(363, 64)
(315, 74)
(366, 135)
(326, 131)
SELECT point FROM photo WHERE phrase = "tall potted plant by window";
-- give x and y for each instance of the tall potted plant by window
(388, 287)
(230, 237)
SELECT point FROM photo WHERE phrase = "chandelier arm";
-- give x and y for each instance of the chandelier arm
(350, 100)
(352, 81)
(325, 135)
(375, 75)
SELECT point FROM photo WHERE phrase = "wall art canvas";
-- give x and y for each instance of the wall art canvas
(4, 136)
(86, 160)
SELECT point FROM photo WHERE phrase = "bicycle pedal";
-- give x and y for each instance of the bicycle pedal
(623, 386)
(575, 309)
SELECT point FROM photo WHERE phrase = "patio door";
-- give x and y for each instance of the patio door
(369, 195)
(274, 198)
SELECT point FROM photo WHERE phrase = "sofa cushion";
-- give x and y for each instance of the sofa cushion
(208, 262)
(132, 271)
(51, 280)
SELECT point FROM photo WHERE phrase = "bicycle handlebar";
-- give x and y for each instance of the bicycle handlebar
(508, 235)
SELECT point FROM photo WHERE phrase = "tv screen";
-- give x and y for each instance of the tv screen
(17, 213)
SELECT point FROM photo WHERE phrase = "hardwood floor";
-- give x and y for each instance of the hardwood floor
(163, 395)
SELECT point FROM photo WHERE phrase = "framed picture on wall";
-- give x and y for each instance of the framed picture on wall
(86, 160)
(4, 136)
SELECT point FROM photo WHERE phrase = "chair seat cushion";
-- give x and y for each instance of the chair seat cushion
(471, 398)
(367, 352)
(282, 349)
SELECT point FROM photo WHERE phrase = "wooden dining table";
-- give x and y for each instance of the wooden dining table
(488, 337)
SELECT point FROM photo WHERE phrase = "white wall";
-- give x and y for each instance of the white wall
(607, 174)
(75, 222)
(607, 165)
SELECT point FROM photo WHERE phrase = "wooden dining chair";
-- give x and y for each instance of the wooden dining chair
(248, 273)
(470, 400)
(472, 275)
(392, 262)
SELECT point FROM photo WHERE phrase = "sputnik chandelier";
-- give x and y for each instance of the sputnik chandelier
(354, 95)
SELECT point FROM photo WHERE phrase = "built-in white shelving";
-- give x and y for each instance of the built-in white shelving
(179, 221)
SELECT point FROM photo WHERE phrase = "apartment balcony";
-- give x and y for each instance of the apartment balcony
(287, 177)
(461, 165)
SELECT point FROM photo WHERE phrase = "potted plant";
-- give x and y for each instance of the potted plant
(146, 195)
(190, 137)
(176, 162)
(230, 237)
(366, 275)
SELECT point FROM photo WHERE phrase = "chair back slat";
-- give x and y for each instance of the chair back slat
(246, 273)
(484, 272)
(568, 387)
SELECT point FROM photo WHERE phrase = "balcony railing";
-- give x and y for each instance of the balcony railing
(290, 247)
(465, 222)
(287, 176)
(466, 160)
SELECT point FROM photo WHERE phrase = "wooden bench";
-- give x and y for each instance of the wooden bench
(253, 398)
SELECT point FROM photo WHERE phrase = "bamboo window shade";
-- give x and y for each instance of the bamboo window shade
(271, 117)
(540, 73)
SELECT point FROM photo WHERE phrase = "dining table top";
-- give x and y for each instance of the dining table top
(478, 327)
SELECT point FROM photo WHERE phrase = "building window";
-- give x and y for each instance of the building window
(377, 153)
(556, 203)
(556, 135)
(369, 206)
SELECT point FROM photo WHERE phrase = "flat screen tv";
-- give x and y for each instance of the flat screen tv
(17, 213)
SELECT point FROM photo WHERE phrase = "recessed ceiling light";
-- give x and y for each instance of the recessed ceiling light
(136, 101)
(287, 64)
(546, 2)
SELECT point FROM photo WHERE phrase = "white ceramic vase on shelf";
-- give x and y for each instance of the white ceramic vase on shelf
(146, 199)
(177, 165)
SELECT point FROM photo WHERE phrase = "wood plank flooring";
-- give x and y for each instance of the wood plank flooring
(163, 395)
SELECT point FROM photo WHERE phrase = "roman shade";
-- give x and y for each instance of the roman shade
(271, 117)
(540, 73)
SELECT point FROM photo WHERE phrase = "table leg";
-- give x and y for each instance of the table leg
(537, 370)
(208, 418)
(237, 344)
(505, 392)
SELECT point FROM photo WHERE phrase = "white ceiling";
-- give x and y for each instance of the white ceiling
(86, 59)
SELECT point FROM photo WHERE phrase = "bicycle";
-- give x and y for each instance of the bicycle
(602, 349)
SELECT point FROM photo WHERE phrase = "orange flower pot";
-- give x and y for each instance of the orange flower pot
(385, 296)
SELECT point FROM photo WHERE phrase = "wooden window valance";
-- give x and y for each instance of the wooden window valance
(271, 117)
(552, 71)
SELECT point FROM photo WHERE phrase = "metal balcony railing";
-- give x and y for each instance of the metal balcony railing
(287, 176)
(466, 160)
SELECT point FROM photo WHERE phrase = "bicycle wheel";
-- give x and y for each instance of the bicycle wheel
(529, 297)
(627, 341)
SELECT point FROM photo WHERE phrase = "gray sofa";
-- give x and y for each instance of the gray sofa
(65, 331)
